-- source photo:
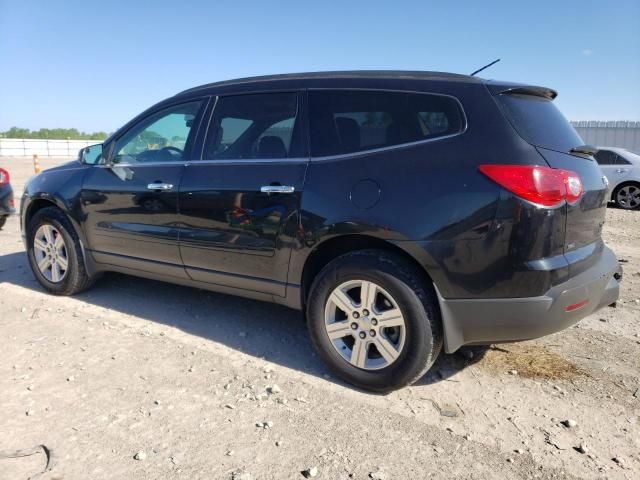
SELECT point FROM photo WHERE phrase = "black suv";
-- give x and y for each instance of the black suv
(398, 210)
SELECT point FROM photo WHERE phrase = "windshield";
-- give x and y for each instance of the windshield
(539, 122)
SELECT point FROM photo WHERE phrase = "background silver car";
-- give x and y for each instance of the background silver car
(622, 169)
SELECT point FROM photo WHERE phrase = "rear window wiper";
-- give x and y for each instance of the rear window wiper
(584, 150)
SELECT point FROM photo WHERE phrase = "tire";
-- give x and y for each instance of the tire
(75, 278)
(411, 293)
(629, 201)
(3, 220)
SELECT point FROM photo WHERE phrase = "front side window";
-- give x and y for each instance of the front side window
(348, 121)
(254, 126)
(161, 137)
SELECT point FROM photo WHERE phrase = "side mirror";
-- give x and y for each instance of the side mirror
(91, 155)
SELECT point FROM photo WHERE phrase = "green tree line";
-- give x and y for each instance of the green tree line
(53, 134)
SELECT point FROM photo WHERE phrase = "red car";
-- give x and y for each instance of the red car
(7, 206)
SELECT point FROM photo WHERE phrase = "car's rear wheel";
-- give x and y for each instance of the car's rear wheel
(55, 253)
(627, 196)
(374, 320)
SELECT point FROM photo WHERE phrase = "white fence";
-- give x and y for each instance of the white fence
(619, 133)
(625, 134)
(25, 147)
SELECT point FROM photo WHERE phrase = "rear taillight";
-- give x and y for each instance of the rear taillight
(4, 177)
(542, 185)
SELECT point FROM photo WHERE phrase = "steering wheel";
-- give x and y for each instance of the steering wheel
(173, 150)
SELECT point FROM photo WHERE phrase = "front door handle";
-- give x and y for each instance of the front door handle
(277, 189)
(159, 186)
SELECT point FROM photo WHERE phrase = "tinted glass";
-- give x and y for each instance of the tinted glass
(256, 126)
(539, 122)
(620, 160)
(344, 121)
(162, 136)
(605, 157)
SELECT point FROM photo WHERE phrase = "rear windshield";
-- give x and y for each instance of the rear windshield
(539, 122)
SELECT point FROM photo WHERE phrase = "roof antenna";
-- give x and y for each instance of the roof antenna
(485, 67)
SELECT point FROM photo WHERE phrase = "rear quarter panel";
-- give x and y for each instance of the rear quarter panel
(473, 238)
(432, 201)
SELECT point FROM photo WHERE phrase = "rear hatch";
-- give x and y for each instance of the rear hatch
(538, 121)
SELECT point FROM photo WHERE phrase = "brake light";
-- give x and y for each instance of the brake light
(4, 177)
(542, 185)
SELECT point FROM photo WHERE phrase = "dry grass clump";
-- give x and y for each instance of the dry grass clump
(529, 361)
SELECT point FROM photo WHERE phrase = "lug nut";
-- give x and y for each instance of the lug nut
(374, 321)
(356, 315)
(362, 334)
(365, 312)
(372, 333)
(354, 326)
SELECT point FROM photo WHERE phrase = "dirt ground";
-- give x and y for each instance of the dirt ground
(200, 385)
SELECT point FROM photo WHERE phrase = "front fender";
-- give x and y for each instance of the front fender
(60, 187)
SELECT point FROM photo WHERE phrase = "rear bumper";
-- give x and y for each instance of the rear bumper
(495, 320)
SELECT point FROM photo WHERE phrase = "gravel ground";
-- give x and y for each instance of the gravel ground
(141, 379)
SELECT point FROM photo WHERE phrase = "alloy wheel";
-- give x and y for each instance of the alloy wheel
(364, 324)
(50, 253)
(628, 196)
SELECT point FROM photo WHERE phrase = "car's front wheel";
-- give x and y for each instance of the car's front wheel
(374, 320)
(55, 253)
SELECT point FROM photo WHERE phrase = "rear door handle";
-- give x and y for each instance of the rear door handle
(159, 186)
(621, 170)
(277, 189)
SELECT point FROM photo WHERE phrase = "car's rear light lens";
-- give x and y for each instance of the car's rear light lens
(4, 177)
(574, 186)
(542, 185)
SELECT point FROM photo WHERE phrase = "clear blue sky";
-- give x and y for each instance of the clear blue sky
(94, 65)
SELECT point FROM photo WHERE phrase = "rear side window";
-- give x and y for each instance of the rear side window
(539, 122)
(348, 121)
(606, 157)
(255, 126)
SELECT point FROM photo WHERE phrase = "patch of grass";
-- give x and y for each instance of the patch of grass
(530, 361)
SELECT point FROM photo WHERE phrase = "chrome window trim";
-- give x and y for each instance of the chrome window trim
(148, 164)
(187, 163)
(248, 161)
(383, 149)
(325, 158)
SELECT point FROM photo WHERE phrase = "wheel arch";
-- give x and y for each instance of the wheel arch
(624, 183)
(37, 203)
(334, 247)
